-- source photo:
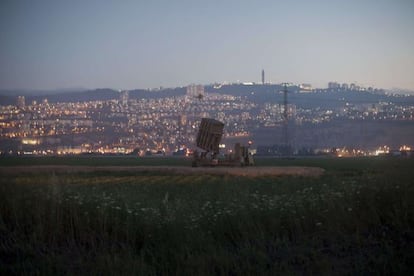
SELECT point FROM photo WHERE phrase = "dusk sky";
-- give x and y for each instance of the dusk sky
(146, 44)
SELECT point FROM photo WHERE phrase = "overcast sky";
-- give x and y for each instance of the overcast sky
(146, 44)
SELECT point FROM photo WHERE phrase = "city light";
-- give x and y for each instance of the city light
(130, 124)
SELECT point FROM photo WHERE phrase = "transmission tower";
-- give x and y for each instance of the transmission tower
(263, 77)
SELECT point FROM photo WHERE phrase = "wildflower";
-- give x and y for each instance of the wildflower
(205, 205)
(165, 200)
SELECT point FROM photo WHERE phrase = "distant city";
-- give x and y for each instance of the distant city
(341, 120)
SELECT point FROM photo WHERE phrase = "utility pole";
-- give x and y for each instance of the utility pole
(285, 120)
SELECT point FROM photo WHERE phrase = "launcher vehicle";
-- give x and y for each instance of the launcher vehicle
(208, 141)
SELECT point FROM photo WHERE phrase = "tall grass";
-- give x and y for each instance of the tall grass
(352, 220)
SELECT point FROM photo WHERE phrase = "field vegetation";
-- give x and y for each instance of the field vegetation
(357, 218)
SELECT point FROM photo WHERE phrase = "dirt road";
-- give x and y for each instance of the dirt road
(237, 171)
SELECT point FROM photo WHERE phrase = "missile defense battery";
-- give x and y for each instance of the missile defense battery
(208, 141)
(209, 135)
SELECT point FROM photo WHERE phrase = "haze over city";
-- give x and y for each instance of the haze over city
(137, 44)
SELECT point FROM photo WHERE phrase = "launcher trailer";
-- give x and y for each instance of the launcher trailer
(208, 141)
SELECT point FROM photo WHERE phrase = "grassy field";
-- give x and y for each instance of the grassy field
(357, 218)
(94, 160)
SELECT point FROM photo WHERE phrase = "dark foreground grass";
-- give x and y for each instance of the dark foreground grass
(356, 219)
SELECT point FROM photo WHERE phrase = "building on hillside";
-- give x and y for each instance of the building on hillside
(195, 90)
(21, 102)
(124, 97)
